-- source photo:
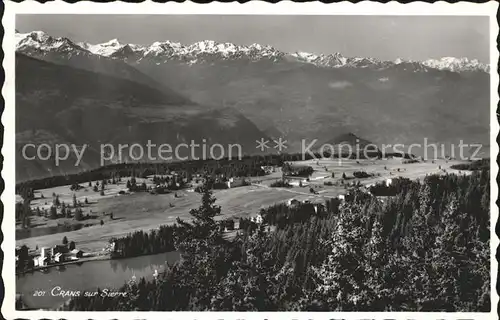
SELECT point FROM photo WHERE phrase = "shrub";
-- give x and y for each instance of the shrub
(361, 174)
(280, 184)
(410, 161)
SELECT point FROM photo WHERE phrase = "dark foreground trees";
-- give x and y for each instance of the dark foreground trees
(426, 248)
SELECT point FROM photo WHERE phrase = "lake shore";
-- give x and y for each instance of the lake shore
(96, 257)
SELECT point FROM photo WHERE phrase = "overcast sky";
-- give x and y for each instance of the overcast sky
(382, 37)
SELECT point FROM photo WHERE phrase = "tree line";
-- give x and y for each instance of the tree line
(249, 165)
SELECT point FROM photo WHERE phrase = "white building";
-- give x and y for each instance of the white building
(268, 169)
(39, 261)
(59, 257)
(235, 182)
(388, 182)
(46, 253)
(257, 219)
(298, 183)
(341, 197)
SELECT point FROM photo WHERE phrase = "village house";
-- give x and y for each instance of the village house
(46, 253)
(257, 219)
(44, 258)
(268, 169)
(298, 182)
(316, 206)
(159, 189)
(293, 202)
(40, 261)
(59, 257)
(235, 182)
(76, 253)
(56, 254)
(59, 248)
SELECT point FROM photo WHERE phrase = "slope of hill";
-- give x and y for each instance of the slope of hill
(59, 104)
(351, 139)
(303, 101)
(63, 51)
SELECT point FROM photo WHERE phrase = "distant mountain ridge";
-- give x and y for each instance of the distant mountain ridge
(208, 50)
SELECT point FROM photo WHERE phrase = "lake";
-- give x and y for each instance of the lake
(90, 275)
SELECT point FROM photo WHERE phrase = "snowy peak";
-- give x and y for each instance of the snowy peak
(456, 64)
(105, 49)
(36, 36)
(112, 43)
(40, 41)
(331, 60)
(209, 50)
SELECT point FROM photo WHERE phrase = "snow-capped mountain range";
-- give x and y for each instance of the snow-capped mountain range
(208, 50)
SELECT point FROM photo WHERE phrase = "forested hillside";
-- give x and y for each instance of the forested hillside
(424, 249)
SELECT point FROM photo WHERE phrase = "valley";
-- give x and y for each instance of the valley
(133, 211)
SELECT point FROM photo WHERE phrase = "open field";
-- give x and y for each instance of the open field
(144, 211)
(88, 199)
(379, 169)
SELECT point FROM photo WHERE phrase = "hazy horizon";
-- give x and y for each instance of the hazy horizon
(380, 37)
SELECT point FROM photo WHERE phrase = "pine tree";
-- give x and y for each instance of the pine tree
(57, 203)
(341, 276)
(53, 212)
(78, 214)
(204, 225)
